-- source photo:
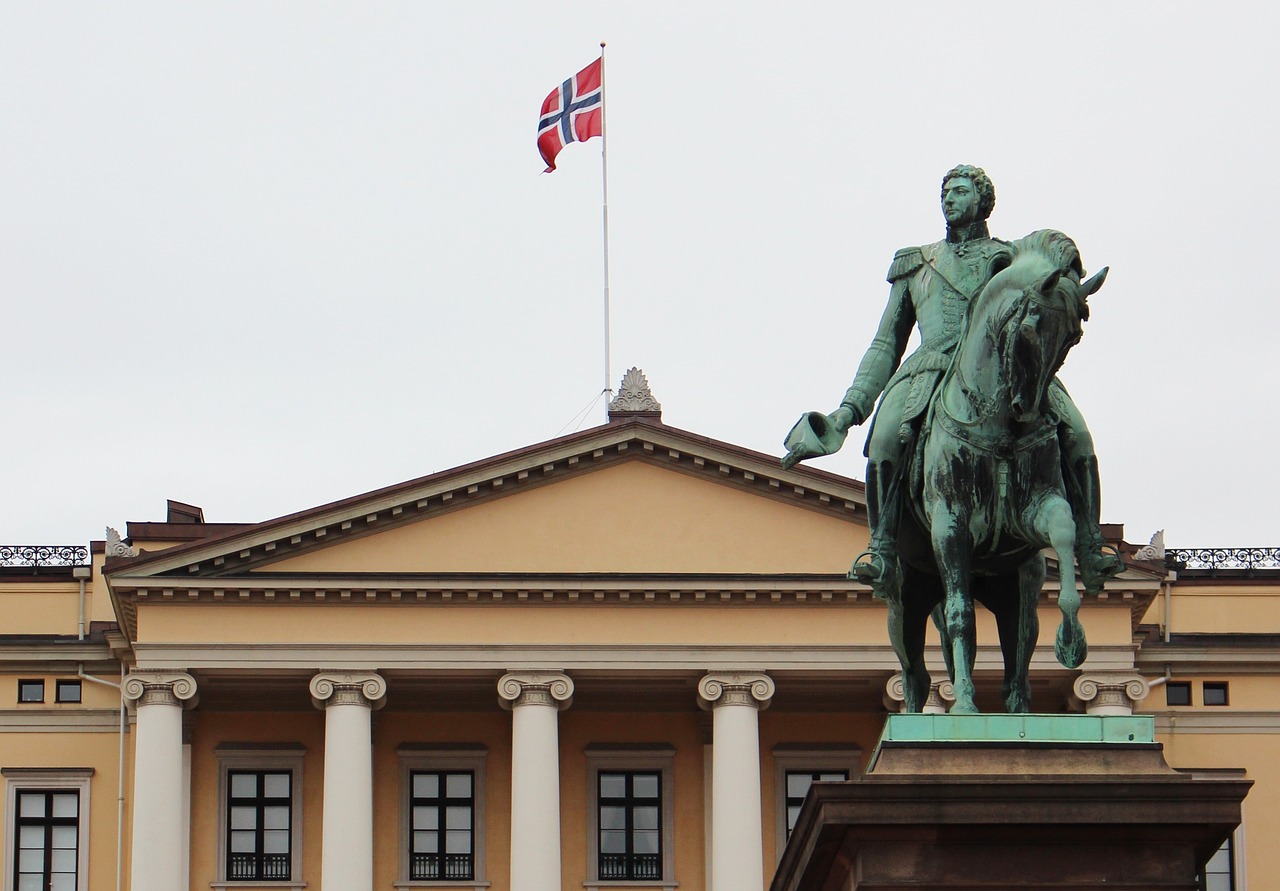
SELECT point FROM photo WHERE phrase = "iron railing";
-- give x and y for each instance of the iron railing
(630, 866)
(431, 867)
(43, 555)
(1224, 558)
(263, 867)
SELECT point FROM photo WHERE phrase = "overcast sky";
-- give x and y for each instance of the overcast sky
(261, 256)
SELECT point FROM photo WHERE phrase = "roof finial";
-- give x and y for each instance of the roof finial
(634, 397)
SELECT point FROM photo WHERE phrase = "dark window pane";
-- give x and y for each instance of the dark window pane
(1177, 693)
(68, 691)
(31, 691)
(1215, 693)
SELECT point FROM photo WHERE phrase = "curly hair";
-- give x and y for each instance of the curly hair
(981, 182)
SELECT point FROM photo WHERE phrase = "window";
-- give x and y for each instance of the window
(796, 787)
(259, 804)
(1177, 693)
(797, 766)
(442, 814)
(31, 691)
(260, 813)
(1215, 693)
(1220, 873)
(47, 835)
(631, 818)
(442, 824)
(629, 824)
(67, 691)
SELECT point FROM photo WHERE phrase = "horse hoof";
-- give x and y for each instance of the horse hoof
(1070, 646)
(964, 708)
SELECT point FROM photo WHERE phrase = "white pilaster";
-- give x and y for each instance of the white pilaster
(1111, 692)
(346, 835)
(535, 699)
(737, 862)
(160, 852)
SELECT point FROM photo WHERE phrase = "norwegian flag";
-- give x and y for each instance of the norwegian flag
(573, 112)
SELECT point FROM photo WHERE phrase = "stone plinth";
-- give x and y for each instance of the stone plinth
(1005, 802)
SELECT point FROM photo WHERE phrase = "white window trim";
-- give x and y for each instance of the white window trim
(445, 756)
(17, 779)
(805, 756)
(261, 756)
(608, 757)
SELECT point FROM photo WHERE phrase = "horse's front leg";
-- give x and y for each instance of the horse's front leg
(952, 550)
(1053, 521)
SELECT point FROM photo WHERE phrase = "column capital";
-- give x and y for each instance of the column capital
(941, 695)
(175, 688)
(754, 689)
(554, 688)
(1110, 692)
(364, 688)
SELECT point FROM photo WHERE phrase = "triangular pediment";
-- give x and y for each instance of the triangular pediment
(632, 496)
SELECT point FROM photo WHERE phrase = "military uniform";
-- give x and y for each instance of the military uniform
(931, 288)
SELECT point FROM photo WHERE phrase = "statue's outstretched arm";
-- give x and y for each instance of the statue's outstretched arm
(881, 359)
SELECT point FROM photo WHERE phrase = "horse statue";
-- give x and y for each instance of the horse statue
(986, 493)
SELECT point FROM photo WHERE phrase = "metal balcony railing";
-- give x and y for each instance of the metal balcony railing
(44, 555)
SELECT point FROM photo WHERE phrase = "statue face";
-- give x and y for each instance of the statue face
(960, 201)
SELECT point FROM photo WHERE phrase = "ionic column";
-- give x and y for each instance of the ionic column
(941, 695)
(736, 839)
(535, 699)
(346, 833)
(1111, 692)
(160, 852)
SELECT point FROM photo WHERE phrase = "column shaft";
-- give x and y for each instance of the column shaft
(736, 858)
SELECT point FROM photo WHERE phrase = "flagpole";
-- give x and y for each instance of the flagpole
(607, 392)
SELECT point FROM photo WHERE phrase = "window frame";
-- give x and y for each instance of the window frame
(443, 758)
(268, 758)
(31, 681)
(1181, 685)
(1223, 686)
(39, 779)
(1235, 863)
(656, 758)
(68, 683)
(807, 757)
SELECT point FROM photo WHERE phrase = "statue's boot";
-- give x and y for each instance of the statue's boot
(878, 565)
(1097, 560)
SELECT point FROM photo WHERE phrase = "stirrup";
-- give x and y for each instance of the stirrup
(868, 567)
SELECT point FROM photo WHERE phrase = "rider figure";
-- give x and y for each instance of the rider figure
(931, 287)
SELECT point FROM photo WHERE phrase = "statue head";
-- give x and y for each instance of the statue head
(971, 197)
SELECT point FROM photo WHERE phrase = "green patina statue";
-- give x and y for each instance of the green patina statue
(977, 457)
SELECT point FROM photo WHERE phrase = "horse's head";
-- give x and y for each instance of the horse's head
(1031, 313)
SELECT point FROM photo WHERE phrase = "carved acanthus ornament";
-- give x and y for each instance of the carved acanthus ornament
(116, 546)
(172, 688)
(750, 689)
(634, 395)
(1154, 550)
(550, 688)
(365, 689)
(1111, 692)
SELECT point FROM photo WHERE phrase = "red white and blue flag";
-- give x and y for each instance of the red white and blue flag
(573, 112)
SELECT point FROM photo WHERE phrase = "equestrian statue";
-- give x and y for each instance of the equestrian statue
(978, 459)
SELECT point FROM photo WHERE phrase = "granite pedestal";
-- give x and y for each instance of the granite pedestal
(1004, 802)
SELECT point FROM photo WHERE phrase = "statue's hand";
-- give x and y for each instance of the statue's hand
(843, 418)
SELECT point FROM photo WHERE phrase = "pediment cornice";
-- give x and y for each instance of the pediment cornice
(633, 438)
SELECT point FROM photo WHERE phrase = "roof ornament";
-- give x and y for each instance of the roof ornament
(116, 547)
(634, 397)
(1153, 551)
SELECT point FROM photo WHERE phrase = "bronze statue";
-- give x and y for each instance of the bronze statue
(936, 288)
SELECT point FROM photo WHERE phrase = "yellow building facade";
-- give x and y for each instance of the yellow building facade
(616, 659)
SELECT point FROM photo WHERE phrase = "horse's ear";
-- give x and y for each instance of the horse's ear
(1093, 284)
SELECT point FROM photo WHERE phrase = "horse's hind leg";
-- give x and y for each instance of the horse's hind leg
(921, 594)
(951, 548)
(1019, 623)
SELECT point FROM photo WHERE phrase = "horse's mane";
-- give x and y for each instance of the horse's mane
(1055, 246)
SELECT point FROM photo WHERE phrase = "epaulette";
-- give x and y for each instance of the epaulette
(905, 262)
